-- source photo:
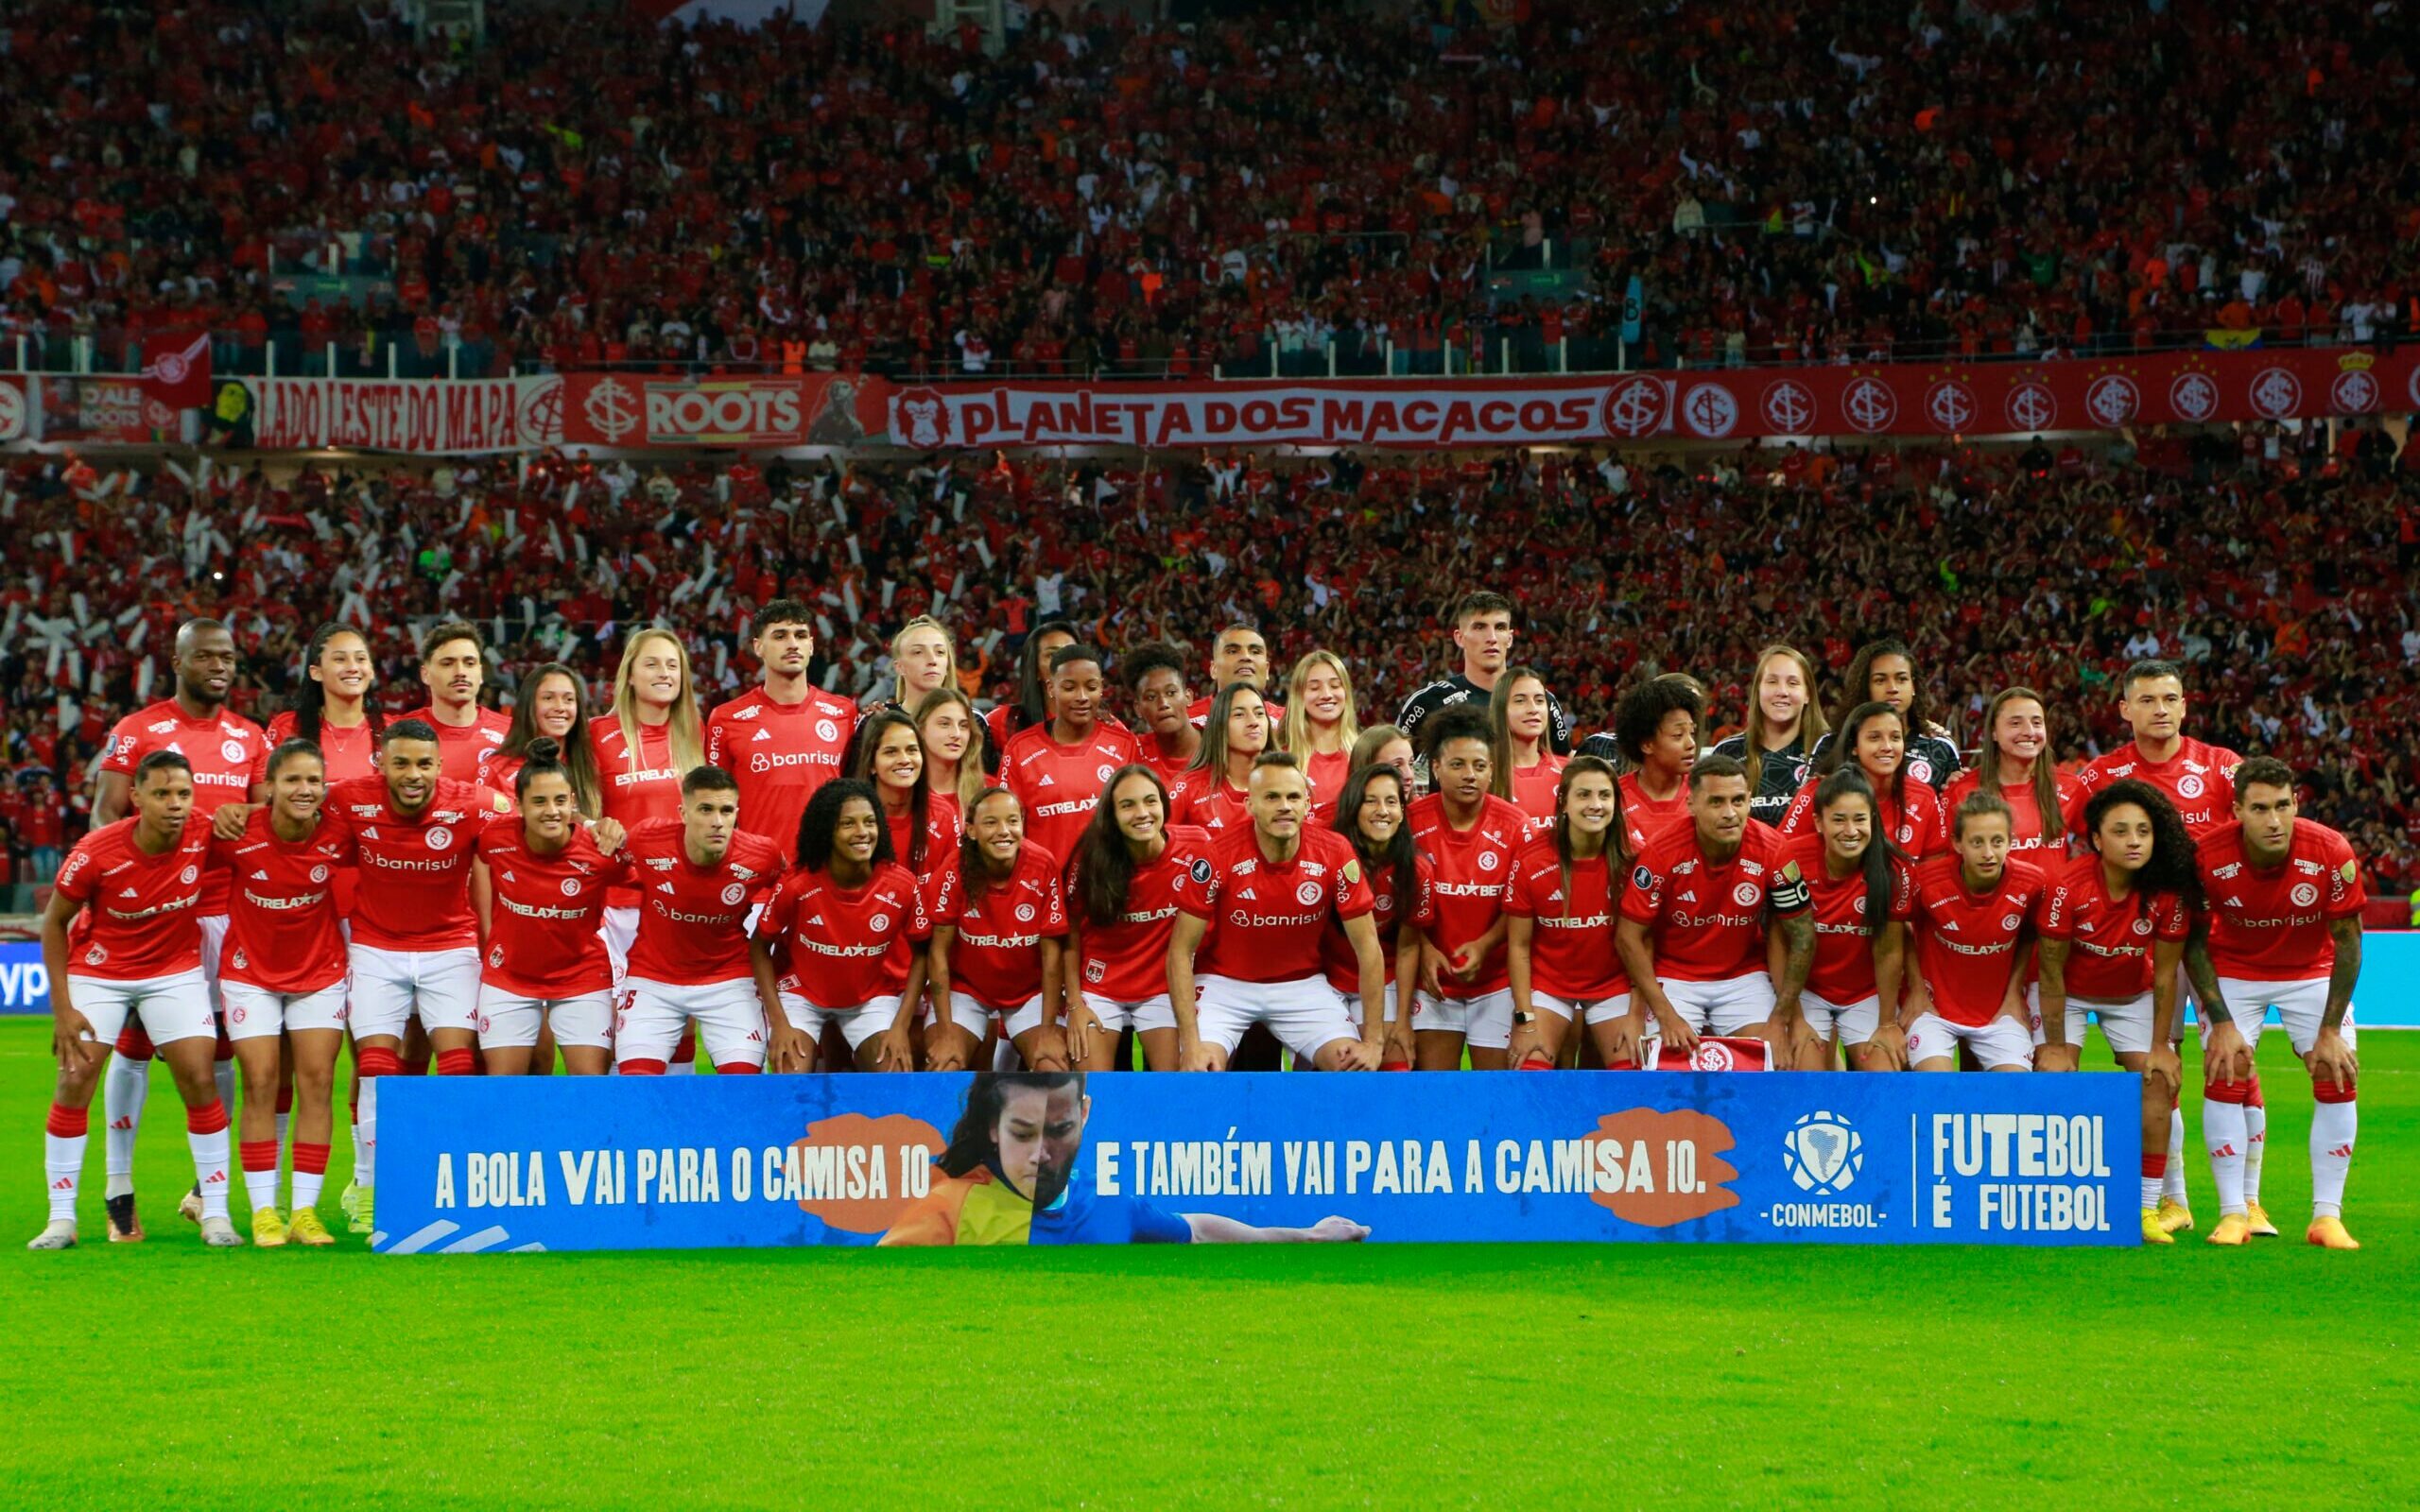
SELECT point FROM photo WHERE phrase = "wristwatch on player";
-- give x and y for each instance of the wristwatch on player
(1523, 1016)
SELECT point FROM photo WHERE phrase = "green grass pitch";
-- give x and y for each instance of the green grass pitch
(166, 1376)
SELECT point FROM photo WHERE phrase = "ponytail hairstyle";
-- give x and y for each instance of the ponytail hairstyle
(1618, 856)
(1103, 868)
(573, 752)
(973, 872)
(949, 655)
(2173, 870)
(1841, 755)
(1032, 705)
(1860, 678)
(1294, 731)
(1499, 727)
(920, 800)
(2046, 769)
(311, 699)
(1811, 723)
(1400, 858)
(543, 757)
(1881, 855)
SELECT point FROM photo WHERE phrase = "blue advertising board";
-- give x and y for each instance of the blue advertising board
(473, 1165)
(25, 987)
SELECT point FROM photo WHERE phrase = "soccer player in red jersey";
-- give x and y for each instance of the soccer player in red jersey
(2015, 762)
(1213, 792)
(1524, 769)
(1566, 892)
(2282, 929)
(1975, 914)
(1154, 678)
(1370, 813)
(1860, 888)
(284, 974)
(1239, 659)
(1121, 891)
(549, 707)
(541, 883)
(1011, 717)
(786, 737)
(954, 765)
(223, 751)
(652, 737)
(924, 825)
(1056, 770)
(1271, 889)
(999, 921)
(848, 935)
(120, 938)
(2113, 935)
(454, 667)
(1874, 737)
(692, 961)
(2200, 779)
(1320, 725)
(1655, 730)
(1470, 837)
(334, 710)
(1692, 935)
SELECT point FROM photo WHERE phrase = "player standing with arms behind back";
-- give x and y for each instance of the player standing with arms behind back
(2283, 930)
(454, 667)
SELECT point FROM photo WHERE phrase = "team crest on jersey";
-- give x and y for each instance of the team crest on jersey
(1307, 894)
(734, 893)
(2011, 922)
(571, 886)
(495, 956)
(1857, 905)
(239, 960)
(827, 729)
(1745, 895)
(1096, 972)
(1489, 861)
(2188, 787)
(878, 922)
(1025, 912)
(189, 874)
(1103, 772)
(231, 750)
(2142, 926)
(440, 838)
(95, 956)
(2304, 895)
(1920, 770)
(318, 873)
(1199, 871)
(235, 1014)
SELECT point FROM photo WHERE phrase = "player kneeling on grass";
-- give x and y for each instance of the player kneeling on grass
(2282, 929)
(1270, 890)
(691, 962)
(847, 935)
(1973, 917)
(122, 937)
(2113, 933)
(541, 884)
(1859, 888)
(1693, 932)
(999, 923)
(283, 972)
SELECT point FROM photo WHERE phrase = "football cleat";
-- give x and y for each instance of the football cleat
(189, 1205)
(125, 1225)
(268, 1230)
(60, 1233)
(2154, 1233)
(363, 1209)
(2328, 1233)
(2234, 1229)
(348, 1201)
(2261, 1227)
(219, 1234)
(2174, 1216)
(306, 1228)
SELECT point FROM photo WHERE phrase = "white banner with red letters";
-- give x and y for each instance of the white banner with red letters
(426, 417)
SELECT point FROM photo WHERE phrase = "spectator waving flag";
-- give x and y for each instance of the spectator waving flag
(176, 375)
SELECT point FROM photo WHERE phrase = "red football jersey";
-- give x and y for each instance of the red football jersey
(1707, 922)
(2199, 778)
(2271, 926)
(461, 750)
(346, 752)
(1967, 941)
(142, 914)
(225, 748)
(1265, 916)
(1534, 791)
(1127, 961)
(1209, 803)
(844, 947)
(997, 956)
(2025, 835)
(543, 927)
(415, 891)
(1171, 768)
(2109, 943)
(1471, 872)
(1326, 771)
(1843, 969)
(943, 831)
(284, 933)
(1645, 815)
(1059, 786)
(1571, 937)
(780, 753)
(1920, 827)
(1336, 951)
(635, 786)
(693, 925)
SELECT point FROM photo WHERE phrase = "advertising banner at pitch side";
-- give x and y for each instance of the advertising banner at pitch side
(474, 1166)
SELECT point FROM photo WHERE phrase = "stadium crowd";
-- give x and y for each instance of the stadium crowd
(1784, 183)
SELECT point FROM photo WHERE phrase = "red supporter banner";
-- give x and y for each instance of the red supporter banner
(633, 409)
(102, 409)
(428, 417)
(16, 409)
(176, 369)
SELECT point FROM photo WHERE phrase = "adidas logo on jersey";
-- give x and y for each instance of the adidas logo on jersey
(817, 921)
(762, 733)
(508, 876)
(1046, 781)
(260, 876)
(129, 893)
(1949, 926)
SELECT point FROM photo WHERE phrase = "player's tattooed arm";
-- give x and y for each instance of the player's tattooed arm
(1797, 944)
(2346, 933)
(2205, 977)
